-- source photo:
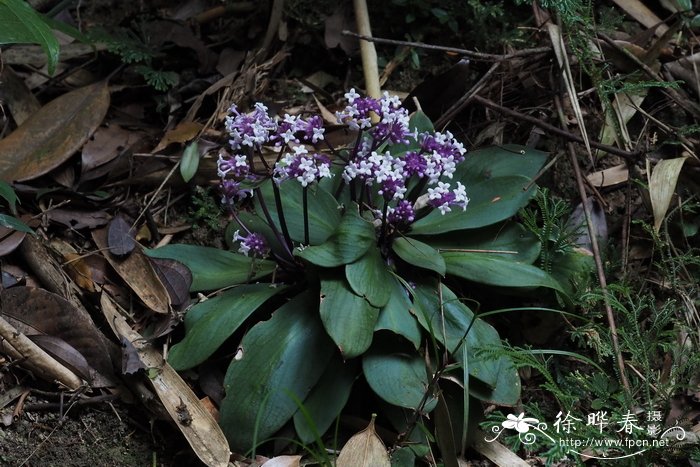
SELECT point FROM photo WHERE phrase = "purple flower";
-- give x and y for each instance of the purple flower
(231, 192)
(358, 113)
(251, 130)
(313, 129)
(384, 170)
(415, 164)
(402, 214)
(303, 166)
(393, 119)
(235, 166)
(253, 244)
(442, 198)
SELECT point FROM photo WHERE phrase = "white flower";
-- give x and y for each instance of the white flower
(520, 423)
(351, 95)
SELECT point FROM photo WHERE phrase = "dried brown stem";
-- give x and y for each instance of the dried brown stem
(33, 357)
(467, 53)
(552, 129)
(596, 255)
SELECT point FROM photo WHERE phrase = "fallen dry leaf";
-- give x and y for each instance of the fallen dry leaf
(610, 176)
(364, 449)
(39, 312)
(190, 416)
(138, 273)
(106, 144)
(283, 461)
(662, 185)
(53, 134)
(184, 132)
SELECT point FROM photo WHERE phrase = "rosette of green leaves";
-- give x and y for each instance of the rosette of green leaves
(366, 302)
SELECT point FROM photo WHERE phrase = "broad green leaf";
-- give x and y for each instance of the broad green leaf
(419, 254)
(573, 270)
(456, 319)
(396, 315)
(369, 276)
(209, 323)
(398, 377)
(278, 358)
(515, 241)
(213, 268)
(8, 193)
(490, 201)
(403, 457)
(324, 214)
(506, 391)
(499, 161)
(420, 122)
(326, 400)
(348, 243)
(496, 270)
(190, 161)
(20, 24)
(14, 223)
(348, 318)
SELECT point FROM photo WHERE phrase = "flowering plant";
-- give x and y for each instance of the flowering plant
(369, 248)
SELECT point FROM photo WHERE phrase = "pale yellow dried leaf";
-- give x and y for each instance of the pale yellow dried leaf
(364, 449)
(662, 184)
(283, 461)
(644, 15)
(610, 176)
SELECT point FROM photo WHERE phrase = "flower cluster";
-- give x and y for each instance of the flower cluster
(305, 167)
(374, 163)
(392, 119)
(250, 132)
(257, 128)
(253, 243)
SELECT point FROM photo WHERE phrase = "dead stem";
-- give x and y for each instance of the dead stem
(596, 255)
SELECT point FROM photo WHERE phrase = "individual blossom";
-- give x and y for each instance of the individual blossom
(442, 198)
(303, 166)
(253, 244)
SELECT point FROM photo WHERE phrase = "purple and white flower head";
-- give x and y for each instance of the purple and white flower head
(231, 192)
(235, 166)
(384, 170)
(442, 198)
(312, 129)
(402, 214)
(358, 113)
(253, 244)
(303, 166)
(393, 118)
(252, 130)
